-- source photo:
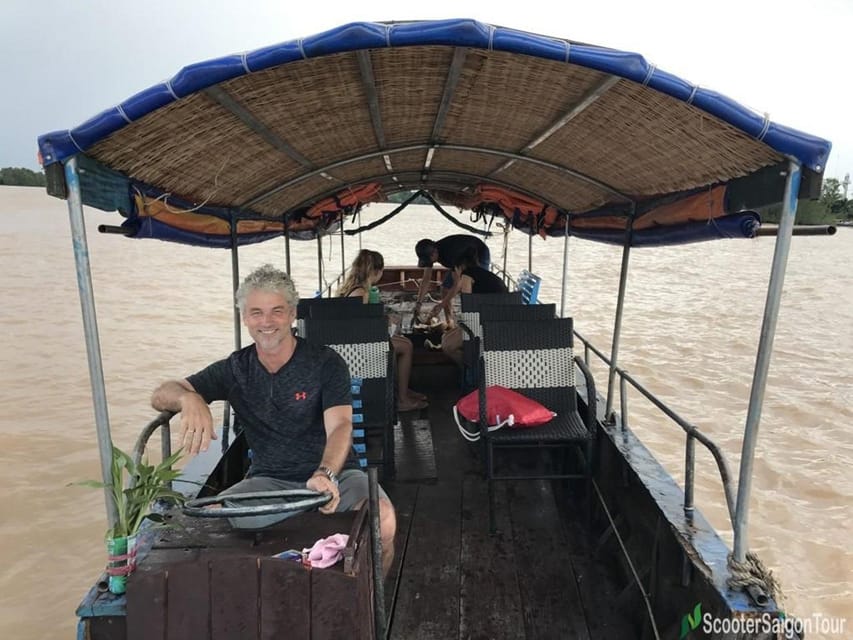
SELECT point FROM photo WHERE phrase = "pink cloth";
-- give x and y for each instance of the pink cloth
(327, 551)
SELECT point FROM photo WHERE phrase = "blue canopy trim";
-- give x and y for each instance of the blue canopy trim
(56, 146)
(153, 228)
(736, 225)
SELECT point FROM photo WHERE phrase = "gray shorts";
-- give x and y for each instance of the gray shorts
(352, 486)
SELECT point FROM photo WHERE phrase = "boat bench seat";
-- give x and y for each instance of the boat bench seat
(308, 308)
(488, 312)
(534, 357)
(363, 344)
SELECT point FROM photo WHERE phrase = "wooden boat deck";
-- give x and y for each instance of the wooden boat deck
(534, 578)
(537, 577)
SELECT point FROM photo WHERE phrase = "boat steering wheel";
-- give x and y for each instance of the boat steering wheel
(292, 501)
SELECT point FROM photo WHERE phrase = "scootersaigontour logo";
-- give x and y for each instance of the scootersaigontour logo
(778, 624)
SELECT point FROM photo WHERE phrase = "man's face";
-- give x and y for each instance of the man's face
(268, 318)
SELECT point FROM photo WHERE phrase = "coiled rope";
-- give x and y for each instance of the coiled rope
(754, 577)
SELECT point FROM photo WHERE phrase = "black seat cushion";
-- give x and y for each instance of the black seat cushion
(567, 426)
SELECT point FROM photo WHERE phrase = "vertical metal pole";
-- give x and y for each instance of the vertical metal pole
(343, 250)
(238, 339)
(565, 269)
(286, 245)
(235, 282)
(530, 252)
(166, 442)
(90, 330)
(689, 475)
(623, 401)
(762, 360)
(620, 305)
(506, 245)
(376, 547)
(320, 264)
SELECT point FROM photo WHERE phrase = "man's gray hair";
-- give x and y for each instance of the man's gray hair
(267, 278)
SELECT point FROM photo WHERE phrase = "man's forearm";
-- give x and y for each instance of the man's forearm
(338, 445)
(168, 396)
(422, 288)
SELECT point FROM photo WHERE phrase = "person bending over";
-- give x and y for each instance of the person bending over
(470, 277)
(447, 252)
(365, 271)
(293, 399)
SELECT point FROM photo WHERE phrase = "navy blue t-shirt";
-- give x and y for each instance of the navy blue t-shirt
(484, 281)
(281, 412)
(451, 248)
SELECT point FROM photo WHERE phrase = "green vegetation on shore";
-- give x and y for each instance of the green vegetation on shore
(18, 176)
(832, 206)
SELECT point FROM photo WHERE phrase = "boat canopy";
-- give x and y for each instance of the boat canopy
(557, 137)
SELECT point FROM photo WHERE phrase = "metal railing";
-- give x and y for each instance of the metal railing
(509, 281)
(330, 287)
(692, 434)
(162, 422)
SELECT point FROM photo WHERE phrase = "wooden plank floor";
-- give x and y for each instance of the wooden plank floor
(534, 578)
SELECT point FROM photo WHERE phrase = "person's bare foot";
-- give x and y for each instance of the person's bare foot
(417, 396)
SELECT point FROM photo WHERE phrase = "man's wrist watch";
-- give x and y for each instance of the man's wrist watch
(331, 475)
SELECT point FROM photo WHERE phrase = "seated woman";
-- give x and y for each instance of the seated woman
(366, 270)
(468, 277)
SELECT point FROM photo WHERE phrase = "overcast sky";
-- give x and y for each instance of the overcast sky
(62, 62)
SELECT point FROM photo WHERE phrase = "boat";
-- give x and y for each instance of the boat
(542, 136)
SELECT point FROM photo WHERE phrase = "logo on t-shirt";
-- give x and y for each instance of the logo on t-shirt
(300, 395)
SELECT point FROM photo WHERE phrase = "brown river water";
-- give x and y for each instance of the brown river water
(691, 325)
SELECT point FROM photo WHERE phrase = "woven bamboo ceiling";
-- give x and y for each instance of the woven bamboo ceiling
(444, 106)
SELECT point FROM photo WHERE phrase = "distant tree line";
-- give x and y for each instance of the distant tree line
(832, 206)
(18, 176)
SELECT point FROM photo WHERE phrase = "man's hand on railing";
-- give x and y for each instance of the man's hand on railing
(196, 424)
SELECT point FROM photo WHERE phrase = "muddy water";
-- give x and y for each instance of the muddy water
(691, 324)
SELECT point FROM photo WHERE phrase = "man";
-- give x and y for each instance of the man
(447, 252)
(294, 402)
(468, 277)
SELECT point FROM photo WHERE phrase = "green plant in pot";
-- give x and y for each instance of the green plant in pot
(135, 487)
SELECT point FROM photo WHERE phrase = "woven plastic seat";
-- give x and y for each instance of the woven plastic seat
(535, 358)
(568, 426)
(473, 301)
(516, 312)
(336, 309)
(488, 312)
(304, 306)
(364, 345)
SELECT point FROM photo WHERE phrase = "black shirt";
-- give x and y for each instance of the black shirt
(282, 412)
(484, 281)
(451, 248)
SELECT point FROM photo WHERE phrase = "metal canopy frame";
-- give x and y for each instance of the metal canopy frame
(762, 358)
(220, 96)
(434, 147)
(765, 347)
